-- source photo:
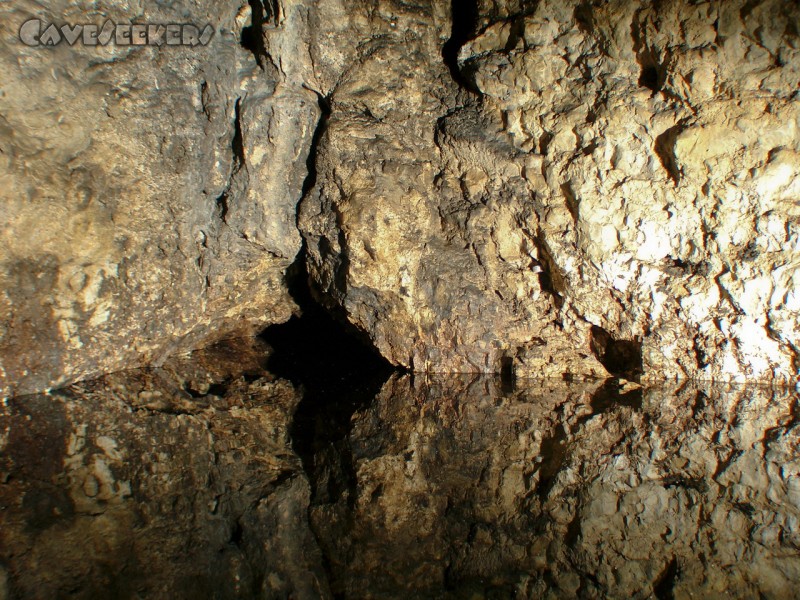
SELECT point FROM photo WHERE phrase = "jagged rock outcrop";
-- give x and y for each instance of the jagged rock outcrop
(451, 487)
(149, 193)
(614, 188)
(178, 482)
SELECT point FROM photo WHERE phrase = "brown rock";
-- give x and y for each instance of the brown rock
(149, 193)
(624, 172)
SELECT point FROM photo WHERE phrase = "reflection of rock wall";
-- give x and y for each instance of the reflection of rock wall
(182, 482)
(627, 171)
(149, 194)
(131, 487)
(566, 490)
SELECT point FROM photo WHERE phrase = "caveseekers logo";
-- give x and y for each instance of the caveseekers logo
(35, 32)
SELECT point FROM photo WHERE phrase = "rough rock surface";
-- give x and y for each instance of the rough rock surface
(544, 188)
(614, 187)
(149, 193)
(177, 482)
(454, 488)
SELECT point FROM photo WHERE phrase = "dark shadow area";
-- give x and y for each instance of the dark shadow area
(338, 374)
(465, 20)
(611, 396)
(664, 585)
(263, 13)
(550, 279)
(649, 78)
(621, 358)
(664, 148)
(311, 162)
(252, 38)
(652, 74)
(584, 17)
(337, 371)
(507, 375)
(553, 454)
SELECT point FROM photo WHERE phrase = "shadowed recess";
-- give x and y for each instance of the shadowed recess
(622, 358)
(465, 19)
(337, 371)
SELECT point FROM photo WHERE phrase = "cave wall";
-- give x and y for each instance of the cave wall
(536, 187)
(600, 187)
(149, 193)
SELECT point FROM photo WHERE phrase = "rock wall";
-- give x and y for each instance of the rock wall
(149, 193)
(612, 188)
(539, 188)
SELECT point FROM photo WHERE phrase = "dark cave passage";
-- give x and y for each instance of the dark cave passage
(337, 372)
(465, 21)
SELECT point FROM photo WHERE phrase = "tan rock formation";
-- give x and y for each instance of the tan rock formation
(621, 187)
(149, 193)
(555, 189)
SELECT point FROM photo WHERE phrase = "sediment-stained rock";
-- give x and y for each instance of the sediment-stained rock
(177, 482)
(149, 193)
(451, 487)
(614, 189)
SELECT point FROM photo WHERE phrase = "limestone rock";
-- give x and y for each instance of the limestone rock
(614, 190)
(559, 188)
(149, 193)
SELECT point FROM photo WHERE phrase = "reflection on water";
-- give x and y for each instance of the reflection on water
(170, 483)
(565, 490)
(183, 483)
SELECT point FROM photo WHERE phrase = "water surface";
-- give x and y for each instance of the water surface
(214, 478)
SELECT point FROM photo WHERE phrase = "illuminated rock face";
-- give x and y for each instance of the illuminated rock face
(614, 188)
(542, 188)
